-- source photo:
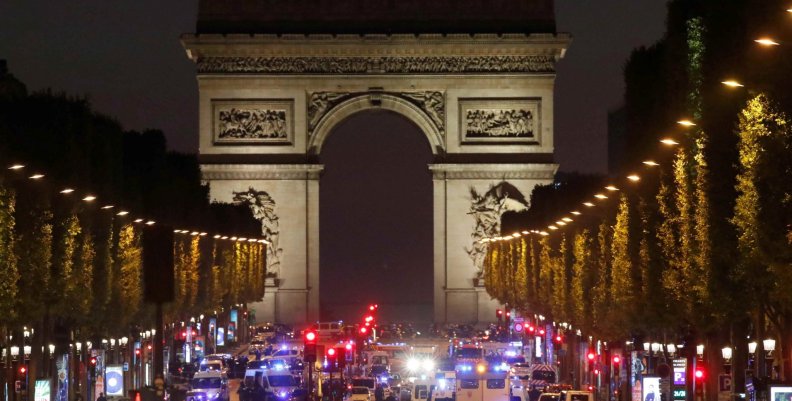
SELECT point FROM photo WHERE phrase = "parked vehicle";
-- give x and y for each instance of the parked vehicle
(208, 386)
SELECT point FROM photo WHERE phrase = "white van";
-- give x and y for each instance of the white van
(208, 386)
(277, 384)
(488, 386)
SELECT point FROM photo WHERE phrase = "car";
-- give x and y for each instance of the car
(359, 393)
(550, 397)
(208, 386)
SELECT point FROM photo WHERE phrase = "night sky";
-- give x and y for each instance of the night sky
(375, 222)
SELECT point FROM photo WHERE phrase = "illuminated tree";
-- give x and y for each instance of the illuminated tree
(8, 258)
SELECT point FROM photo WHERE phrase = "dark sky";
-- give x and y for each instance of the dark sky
(126, 56)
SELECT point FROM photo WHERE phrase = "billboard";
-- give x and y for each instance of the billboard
(114, 379)
(42, 390)
(650, 387)
(220, 336)
(680, 371)
(780, 393)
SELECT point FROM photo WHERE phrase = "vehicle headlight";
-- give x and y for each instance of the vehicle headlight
(412, 364)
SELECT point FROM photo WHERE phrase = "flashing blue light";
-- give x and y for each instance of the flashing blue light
(284, 347)
(442, 384)
(384, 379)
(504, 366)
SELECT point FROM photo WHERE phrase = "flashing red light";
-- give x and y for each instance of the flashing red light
(699, 373)
(371, 308)
(349, 387)
(590, 388)
(508, 314)
(368, 324)
(499, 312)
(310, 336)
(363, 330)
(558, 338)
(348, 347)
(542, 331)
(184, 334)
(137, 351)
(531, 329)
(369, 318)
(596, 371)
(518, 327)
(148, 347)
(331, 352)
(616, 359)
(590, 355)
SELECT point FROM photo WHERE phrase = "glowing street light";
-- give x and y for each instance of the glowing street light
(767, 41)
(588, 204)
(650, 163)
(633, 177)
(575, 212)
(732, 83)
(669, 142)
(600, 196)
(89, 198)
(611, 188)
(686, 123)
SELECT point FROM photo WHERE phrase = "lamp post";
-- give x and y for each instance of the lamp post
(769, 346)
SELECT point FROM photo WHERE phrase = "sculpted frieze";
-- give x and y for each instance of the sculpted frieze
(377, 65)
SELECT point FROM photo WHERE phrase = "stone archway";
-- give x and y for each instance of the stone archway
(268, 101)
(424, 109)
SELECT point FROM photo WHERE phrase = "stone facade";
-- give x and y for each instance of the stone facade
(484, 102)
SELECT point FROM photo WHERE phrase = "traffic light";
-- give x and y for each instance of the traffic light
(531, 329)
(559, 338)
(499, 314)
(341, 356)
(363, 331)
(22, 370)
(309, 345)
(92, 361)
(616, 363)
(591, 355)
(518, 327)
(699, 375)
(331, 357)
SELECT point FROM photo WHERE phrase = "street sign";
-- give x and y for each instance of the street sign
(724, 387)
(680, 394)
(725, 383)
(126, 366)
(680, 371)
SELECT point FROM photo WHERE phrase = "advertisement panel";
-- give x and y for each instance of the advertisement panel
(41, 391)
(62, 364)
(650, 388)
(114, 377)
(680, 374)
(220, 336)
(232, 325)
(780, 393)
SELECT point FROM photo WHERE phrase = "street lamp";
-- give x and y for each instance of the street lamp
(700, 350)
(726, 352)
(752, 347)
(769, 346)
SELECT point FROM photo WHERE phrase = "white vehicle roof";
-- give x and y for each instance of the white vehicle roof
(209, 374)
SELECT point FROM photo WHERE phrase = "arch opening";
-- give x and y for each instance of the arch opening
(376, 216)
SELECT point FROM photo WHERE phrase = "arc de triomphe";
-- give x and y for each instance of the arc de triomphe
(275, 78)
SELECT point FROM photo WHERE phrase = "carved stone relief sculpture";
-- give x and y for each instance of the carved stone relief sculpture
(377, 65)
(255, 121)
(499, 120)
(487, 209)
(263, 207)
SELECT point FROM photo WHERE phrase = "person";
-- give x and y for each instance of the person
(379, 393)
(242, 391)
(650, 395)
(101, 397)
(534, 394)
